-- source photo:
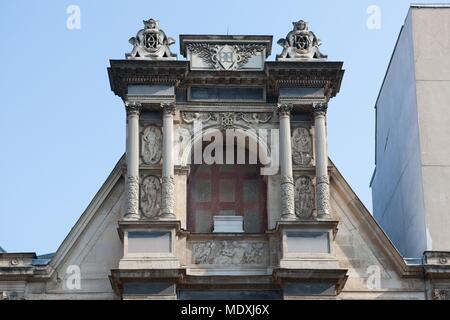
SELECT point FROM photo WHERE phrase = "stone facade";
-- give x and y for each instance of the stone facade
(317, 240)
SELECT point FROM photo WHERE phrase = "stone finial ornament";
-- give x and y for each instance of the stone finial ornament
(300, 44)
(151, 43)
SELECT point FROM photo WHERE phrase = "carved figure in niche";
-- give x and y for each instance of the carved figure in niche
(151, 145)
(301, 147)
(303, 197)
(151, 197)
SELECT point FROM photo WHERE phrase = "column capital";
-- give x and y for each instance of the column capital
(168, 107)
(320, 108)
(133, 107)
(284, 109)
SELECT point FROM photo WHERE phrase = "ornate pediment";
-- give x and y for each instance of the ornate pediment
(300, 44)
(151, 43)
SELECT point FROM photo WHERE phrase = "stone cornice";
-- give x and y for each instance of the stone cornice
(128, 72)
(327, 75)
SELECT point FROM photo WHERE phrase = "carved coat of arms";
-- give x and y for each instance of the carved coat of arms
(301, 43)
(151, 43)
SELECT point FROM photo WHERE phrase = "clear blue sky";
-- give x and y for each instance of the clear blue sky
(62, 130)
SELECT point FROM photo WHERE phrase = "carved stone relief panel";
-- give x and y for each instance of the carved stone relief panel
(229, 253)
(226, 56)
(304, 200)
(227, 120)
(151, 145)
(150, 197)
(301, 147)
(440, 294)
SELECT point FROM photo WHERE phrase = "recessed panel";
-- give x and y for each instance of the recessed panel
(149, 242)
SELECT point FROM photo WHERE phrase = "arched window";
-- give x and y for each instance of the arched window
(236, 190)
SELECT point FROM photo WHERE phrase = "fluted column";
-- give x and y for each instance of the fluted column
(286, 179)
(167, 184)
(322, 179)
(132, 156)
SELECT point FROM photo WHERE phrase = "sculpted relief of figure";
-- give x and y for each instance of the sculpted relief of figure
(301, 147)
(303, 197)
(151, 145)
(255, 118)
(228, 253)
(151, 196)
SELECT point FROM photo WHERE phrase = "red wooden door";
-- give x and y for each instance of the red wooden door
(226, 190)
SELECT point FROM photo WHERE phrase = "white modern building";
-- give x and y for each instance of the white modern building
(411, 194)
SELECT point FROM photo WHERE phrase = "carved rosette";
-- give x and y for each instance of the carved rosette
(303, 197)
(168, 196)
(320, 109)
(150, 197)
(133, 107)
(132, 200)
(284, 109)
(151, 145)
(229, 253)
(301, 147)
(323, 196)
(287, 198)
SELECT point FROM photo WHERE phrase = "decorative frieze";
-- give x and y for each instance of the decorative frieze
(440, 294)
(227, 120)
(229, 253)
